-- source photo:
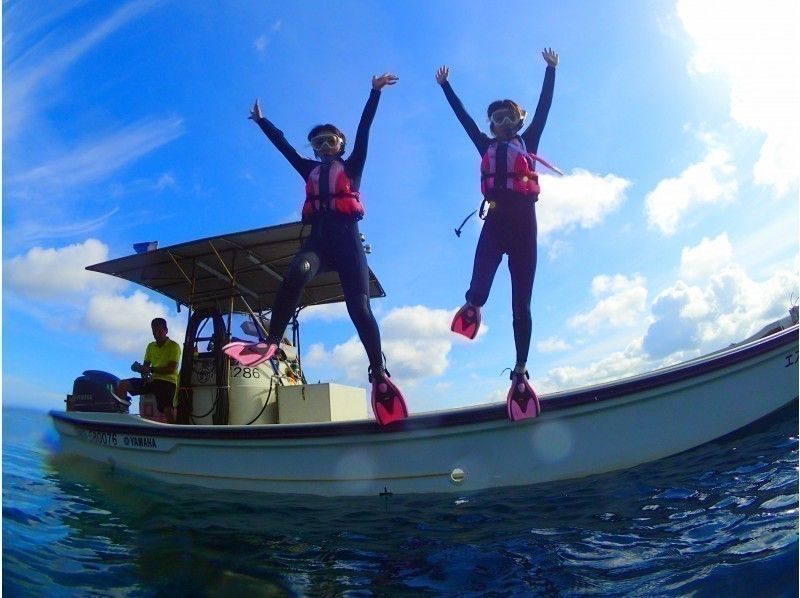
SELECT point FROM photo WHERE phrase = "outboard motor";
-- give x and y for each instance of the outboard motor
(93, 391)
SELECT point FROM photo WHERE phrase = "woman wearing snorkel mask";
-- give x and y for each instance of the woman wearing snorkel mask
(333, 208)
(510, 188)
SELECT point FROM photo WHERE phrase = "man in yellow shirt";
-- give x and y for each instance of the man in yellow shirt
(159, 371)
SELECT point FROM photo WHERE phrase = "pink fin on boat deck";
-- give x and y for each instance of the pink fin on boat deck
(235, 346)
(467, 321)
(250, 354)
(388, 403)
(522, 400)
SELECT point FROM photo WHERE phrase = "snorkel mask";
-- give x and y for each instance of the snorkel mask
(325, 141)
(504, 117)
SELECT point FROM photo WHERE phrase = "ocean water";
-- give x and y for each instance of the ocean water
(720, 520)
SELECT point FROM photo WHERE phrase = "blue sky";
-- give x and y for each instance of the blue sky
(673, 233)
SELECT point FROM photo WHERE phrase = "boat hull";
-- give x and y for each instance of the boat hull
(585, 432)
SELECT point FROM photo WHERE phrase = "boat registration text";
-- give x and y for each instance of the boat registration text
(119, 440)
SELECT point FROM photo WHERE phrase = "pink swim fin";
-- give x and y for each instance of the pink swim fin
(467, 321)
(388, 403)
(250, 354)
(522, 401)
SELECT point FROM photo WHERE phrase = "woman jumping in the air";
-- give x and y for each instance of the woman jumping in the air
(510, 188)
(333, 208)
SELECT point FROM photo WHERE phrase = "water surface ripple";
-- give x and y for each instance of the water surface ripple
(719, 520)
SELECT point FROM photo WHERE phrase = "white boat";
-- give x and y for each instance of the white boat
(580, 432)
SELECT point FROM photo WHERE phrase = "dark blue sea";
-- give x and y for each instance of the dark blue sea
(720, 520)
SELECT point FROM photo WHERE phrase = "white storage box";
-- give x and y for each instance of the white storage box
(309, 403)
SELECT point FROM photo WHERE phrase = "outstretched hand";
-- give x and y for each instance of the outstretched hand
(442, 74)
(255, 113)
(550, 57)
(384, 80)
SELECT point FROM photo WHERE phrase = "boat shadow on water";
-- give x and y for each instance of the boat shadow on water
(681, 525)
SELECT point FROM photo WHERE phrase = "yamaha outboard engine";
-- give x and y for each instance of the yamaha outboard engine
(94, 391)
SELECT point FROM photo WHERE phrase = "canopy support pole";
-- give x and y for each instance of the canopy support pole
(232, 278)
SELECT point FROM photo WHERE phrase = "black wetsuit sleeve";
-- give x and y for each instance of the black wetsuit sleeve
(354, 165)
(533, 133)
(480, 139)
(302, 165)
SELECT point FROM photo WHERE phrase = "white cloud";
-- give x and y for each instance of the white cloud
(621, 302)
(123, 322)
(315, 354)
(617, 365)
(263, 40)
(326, 312)
(40, 53)
(34, 230)
(557, 248)
(777, 163)
(729, 307)
(417, 321)
(351, 358)
(552, 344)
(28, 72)
(676, 327)
(86, 300)
(774, 244)
(757, 50)
(578, 199)
(745, 305)
(709, 181)
(688, 321)
(705, 259)
(49, 273)
(416, 339)
(147, 185)
(97, 159)
(261, 43)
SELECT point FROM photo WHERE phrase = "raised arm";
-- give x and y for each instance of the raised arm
(358, 156)
(478, 138)
(533, 133)
(275, 135)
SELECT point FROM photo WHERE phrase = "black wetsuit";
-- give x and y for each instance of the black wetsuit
(334, 243)
(510, 226)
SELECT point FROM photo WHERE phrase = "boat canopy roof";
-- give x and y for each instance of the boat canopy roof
(222, 271)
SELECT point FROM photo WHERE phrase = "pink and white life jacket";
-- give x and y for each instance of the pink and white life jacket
(336, 194)
(520, 173)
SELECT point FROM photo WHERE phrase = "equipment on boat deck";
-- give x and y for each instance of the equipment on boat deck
(145, 247)
(250, 354)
